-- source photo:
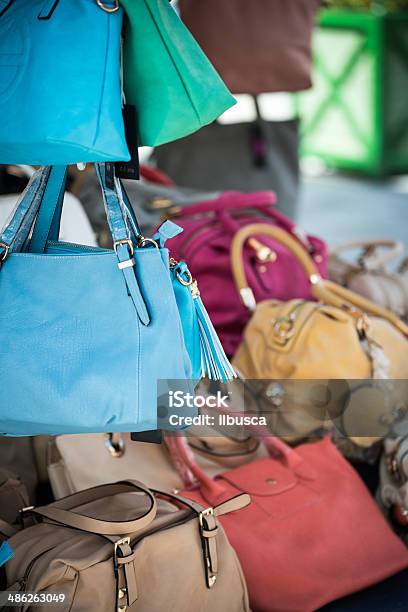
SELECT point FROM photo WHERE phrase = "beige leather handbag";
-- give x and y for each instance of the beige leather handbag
(332, 338)
(124, 547)
(77, 462)
(369, 276)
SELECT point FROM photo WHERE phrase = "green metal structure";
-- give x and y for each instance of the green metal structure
(356, 115)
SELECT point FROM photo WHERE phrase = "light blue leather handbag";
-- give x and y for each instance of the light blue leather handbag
(204, 348)
(86, 334)
(60, 91)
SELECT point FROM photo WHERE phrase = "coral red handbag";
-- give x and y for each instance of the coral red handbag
(312, 534)
(271, 269)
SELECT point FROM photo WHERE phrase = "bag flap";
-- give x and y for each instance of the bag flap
(265, 478)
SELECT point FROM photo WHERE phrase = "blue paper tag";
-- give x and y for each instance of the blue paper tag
(5, 553)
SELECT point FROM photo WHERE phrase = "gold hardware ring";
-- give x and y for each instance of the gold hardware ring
(4, 249)
(105, 8)
(143, 241)
(185, 281)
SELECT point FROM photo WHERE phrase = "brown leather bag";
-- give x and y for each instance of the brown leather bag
(257, 46)
(173, 554)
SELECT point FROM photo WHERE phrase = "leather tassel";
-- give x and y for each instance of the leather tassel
(214, 362)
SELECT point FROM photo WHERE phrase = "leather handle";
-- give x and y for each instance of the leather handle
(322, 290)
(61, 510)
(15, 232)
(370, 258)
(282, 236)
(184, 462)
(4, 6)
(50, 210)
(234, 503)
(335, 295)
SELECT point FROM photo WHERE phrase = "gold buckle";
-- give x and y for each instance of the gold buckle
(119, 543)
(5, 250)
(119, 243)
(203, 513)
(105, 8)
(211, 577)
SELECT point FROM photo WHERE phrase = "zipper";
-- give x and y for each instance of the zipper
(80, 247)
(24, 580)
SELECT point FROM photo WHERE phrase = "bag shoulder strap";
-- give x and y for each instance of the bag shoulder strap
(61, 511)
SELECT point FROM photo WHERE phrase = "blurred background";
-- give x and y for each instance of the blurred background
(322, 114)
(321, 118)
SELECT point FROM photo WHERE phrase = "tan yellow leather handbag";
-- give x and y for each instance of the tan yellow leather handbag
(369, 275)
(340, 336)
(122, 546)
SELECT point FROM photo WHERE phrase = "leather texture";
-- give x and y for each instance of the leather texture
(273, 272)
(369, 275)
(82, 340)
(271, 42)
(169, 542)
(328, 339)
(86, 460)
(312, 533)
(59, 107)
(172, 84)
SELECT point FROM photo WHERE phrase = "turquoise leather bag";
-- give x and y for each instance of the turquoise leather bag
(204, 348)
(86, 334)
(60, 92)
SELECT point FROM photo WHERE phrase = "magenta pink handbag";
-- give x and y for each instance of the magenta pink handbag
(270, 267)
(312, 533)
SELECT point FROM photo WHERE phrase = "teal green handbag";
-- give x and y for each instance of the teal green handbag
(167, 76)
